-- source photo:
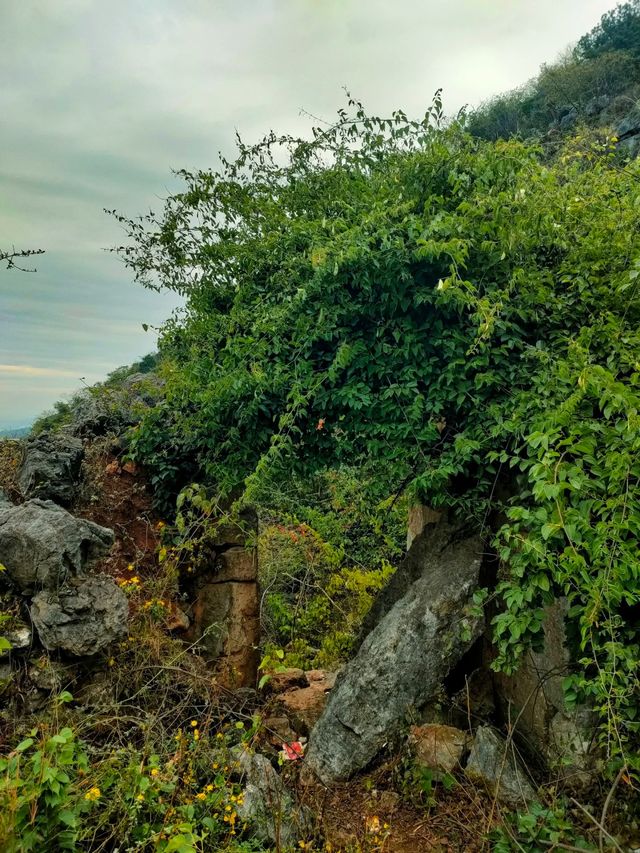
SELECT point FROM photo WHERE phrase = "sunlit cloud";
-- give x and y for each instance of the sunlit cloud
(31, 370)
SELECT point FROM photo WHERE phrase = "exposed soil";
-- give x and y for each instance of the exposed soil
(115, 495)
(366, 815)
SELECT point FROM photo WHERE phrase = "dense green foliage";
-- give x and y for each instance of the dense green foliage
(450, 316)
(618, 29)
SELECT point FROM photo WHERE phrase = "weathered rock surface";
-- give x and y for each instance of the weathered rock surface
(436, 747)
(533, 700)
(19, 637)
(421, 635)
(225, 616)
(303, 705)
(267, 805)
(50, 467)
(42, 545)
(83, 619)
(493, 764)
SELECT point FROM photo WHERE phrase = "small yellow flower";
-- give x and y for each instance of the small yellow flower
(209, 788)
(216, 765)
(154, 771)
(92, 794)
(201, 796)
(227, 808)
(196, 734)
(194, 723)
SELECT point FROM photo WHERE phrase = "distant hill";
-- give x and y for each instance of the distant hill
(596, 84)
(19, 432)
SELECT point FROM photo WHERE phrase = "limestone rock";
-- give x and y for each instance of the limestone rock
(83, 619)
(533, 697)
(20, 637)
(50, 468)
(438, 748)
(304, 705)
(493, 764)
(421, 635)
(267, 806)
(41, 544)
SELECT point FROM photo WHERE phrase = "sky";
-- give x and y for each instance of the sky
(99, 102)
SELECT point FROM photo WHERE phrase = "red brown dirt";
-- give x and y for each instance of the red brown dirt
(116, 495)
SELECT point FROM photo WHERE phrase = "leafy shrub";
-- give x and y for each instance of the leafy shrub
(539, 829)
(39, 803)
(444, 316)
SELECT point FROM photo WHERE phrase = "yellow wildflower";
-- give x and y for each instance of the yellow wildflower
(154, 771)
(92, 794)
(201, 796)
(194, 723)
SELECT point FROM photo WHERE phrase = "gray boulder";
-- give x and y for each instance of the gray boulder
(493, 764)
(402, 662)
(83, 619)
(267, 806)
(42, 544)
(628, 132)
(50, 467)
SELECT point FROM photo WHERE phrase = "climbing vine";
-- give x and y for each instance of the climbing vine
(457, 319)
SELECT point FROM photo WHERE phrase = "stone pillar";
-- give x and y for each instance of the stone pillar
(225, 613)
(419, 517)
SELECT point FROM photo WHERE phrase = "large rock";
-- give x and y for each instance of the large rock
(51, 467)
(493, 764)
(41, 544)
(421, 635)
(83, 619)
(267, 806)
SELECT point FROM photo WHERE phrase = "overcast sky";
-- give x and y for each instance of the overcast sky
(100, 101)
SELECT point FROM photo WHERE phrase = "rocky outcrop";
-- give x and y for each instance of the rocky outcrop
(50, 467)
(426, 623)
(41, 544)
(83, 619)
(494, 764)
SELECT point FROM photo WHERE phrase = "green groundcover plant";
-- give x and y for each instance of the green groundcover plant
(455, 318)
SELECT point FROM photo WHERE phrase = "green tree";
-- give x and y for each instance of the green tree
(618, 29)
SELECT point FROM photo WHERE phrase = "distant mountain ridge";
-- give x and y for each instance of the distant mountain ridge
(15, 432)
